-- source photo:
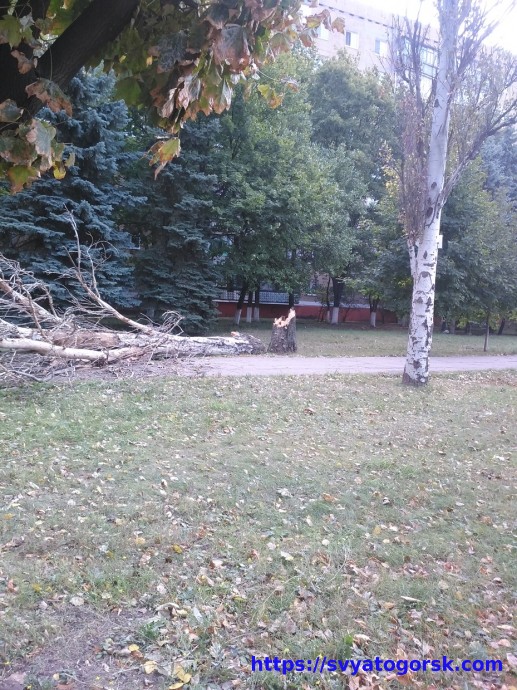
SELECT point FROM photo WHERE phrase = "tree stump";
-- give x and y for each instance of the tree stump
(283, 336)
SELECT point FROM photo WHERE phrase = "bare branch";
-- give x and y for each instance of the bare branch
(19, 295)
(73, 337)
(92, 290)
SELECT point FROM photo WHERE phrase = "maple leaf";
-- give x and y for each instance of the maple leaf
(338, 24)
(10, 30)
(19, 176)
(50, 94)
(231, 46)
(24, 64)
(163, 152)
(9, 111)
(41, 135)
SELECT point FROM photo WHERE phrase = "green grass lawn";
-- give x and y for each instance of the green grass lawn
(322, 340)
(163, 532)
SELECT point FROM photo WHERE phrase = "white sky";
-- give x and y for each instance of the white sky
(505, 35)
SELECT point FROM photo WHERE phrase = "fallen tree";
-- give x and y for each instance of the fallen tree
(29, 323)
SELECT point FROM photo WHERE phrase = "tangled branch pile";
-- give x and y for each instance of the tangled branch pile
(29, 323)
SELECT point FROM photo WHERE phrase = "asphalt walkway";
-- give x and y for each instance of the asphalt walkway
(258, 365)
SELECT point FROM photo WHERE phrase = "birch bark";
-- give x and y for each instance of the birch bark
(424, 252)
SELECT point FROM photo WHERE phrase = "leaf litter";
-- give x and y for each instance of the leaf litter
(166, 553)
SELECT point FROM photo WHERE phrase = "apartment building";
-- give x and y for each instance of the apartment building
(368, 35)
(367, 32)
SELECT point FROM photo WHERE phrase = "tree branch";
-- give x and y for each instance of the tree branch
(101, 22)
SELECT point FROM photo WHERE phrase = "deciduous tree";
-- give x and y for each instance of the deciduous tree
(447, 117)
(176, 58)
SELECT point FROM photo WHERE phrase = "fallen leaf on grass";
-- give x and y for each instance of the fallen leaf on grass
(13, 544)
(181, 674)
(512, 660)
(150, 666)
(501, 643)
(388, 605)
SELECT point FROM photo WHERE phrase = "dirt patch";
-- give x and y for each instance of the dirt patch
(87, 653)
(30, 369)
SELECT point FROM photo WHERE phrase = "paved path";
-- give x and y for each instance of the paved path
(287, 366)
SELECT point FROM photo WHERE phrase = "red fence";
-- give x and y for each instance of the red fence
(309, 311)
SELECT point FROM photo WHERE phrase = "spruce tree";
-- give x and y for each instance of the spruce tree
(36, 230)
(176, 268)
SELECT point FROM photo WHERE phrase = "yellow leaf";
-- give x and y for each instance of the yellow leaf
(175, 686)
(139, 541)
(36, 587)
(177, 548)
(133, 648)
(388, 605)
(150, 666)
(59, 172)
(377, 530)
(181, 674)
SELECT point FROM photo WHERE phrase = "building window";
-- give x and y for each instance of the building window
(322, 32)
(429, 61)
(381, 47)
(352, 39)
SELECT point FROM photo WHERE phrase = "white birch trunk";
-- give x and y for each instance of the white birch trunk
(373, 319)
(237, 317)
(420, 338)
(249, 314)
(335, 316)
(423, 264)
(256, 314)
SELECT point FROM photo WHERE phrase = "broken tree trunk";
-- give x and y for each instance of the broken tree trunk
(103, 346)
(283, 336)
(76, 335)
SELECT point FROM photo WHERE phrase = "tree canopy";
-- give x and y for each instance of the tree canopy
(174, 57)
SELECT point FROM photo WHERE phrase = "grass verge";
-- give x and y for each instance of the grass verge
(322, 340)
(163, 532)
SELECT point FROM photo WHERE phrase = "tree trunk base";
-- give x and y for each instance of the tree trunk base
(283, 336)
(407, 380)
